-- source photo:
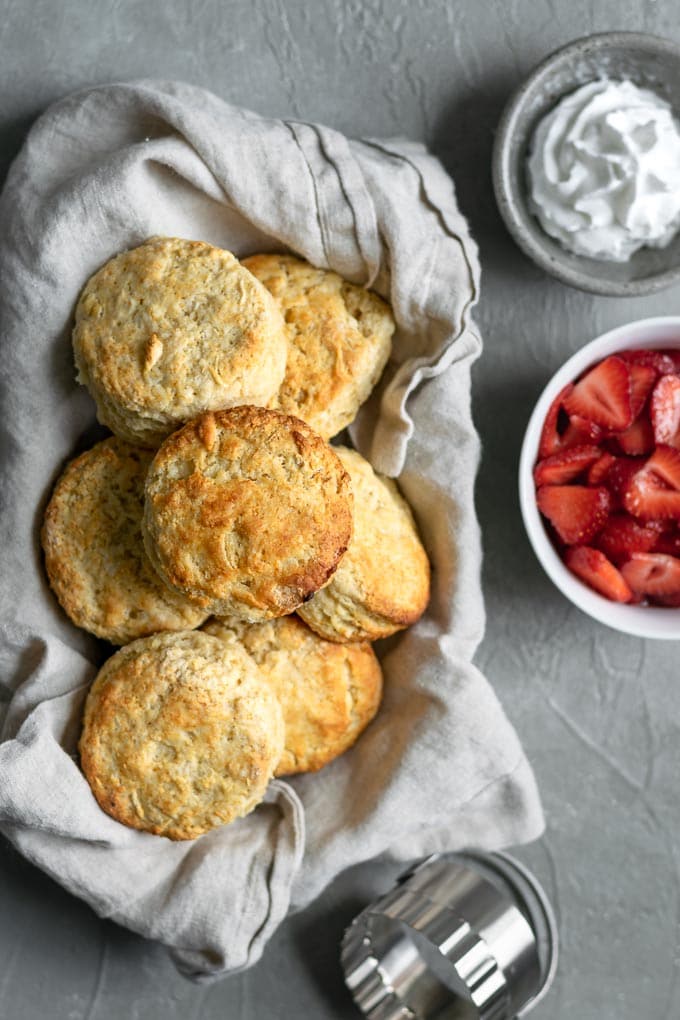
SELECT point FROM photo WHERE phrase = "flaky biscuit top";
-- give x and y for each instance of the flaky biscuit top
(383, 582)
(94, 555)
(340, 339)
(172, 328)
(247, 511)
(180, 735)
(328, 692)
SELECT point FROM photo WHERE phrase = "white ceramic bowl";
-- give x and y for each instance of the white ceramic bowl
(641, 621)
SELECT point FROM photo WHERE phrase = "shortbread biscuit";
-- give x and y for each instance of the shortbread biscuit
(173, 328)
(383, 582)
(328, 692)
(247, 511)
(340, 339)
(95, 560)
(180, 734)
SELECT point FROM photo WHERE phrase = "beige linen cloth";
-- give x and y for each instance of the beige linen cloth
(440, 767)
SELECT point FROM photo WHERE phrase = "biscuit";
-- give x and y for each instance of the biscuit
(173, 328)
(340, 339)
(180, 735)
(383, 582)
(95, 560)
(328, 692)
(247, 511)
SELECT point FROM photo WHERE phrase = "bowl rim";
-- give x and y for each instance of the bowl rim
(638, 621)
(508, 197)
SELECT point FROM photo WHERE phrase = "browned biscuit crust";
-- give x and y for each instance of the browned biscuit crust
(383, 582)
(180, 735)
(173, 328)
(340, 339)
(247, 511)
(94, 556)
(328, 692)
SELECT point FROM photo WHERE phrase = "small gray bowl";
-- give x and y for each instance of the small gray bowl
(649, 62)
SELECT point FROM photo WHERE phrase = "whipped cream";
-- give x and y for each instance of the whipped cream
(604, 171)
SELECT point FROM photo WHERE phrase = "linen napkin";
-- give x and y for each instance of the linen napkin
(440, 767)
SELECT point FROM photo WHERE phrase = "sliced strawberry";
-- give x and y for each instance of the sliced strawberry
(668, 542)
(665, 462)
(638, 438)
(653, 574)
(593, 567)
(576, 512)
(642, 379)
(665, 410)
(565, 466)
(603, 395)
(668, 600)
(551, 435)
(674, 355)
(580, 431)
(653, 492)
(623, 535)
(620, 474)
(661, 362)
(598, 472)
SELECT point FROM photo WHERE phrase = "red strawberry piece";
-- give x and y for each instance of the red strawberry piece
(580, 431)
(665, 410)
(620, 474)
(653, 492)
(668, 600)
(565, 466)
(638, 438)
(603, 395)
(576, 512)
(675, 358)
(665, 462)
(551, 435)
(668, 542)
(661, 362)
(598, 472)
(642, 379)
(623, 535)
(593, 567)
(653, 573)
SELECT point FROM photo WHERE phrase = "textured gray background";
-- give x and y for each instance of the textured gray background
(597, 711)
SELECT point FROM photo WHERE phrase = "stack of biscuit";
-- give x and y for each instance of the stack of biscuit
(219, 503)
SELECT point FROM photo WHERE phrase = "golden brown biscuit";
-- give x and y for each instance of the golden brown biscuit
(247, 511)
(383, 582)
(95, 560)
(340, 339)
(180, 734)
(328, 692)
(173, 328)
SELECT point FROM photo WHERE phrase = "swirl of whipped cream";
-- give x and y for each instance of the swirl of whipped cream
(604, 171)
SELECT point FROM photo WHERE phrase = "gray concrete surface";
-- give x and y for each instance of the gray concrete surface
(598, 712)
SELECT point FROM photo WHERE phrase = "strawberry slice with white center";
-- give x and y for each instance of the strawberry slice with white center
(653, 492)
(652, 574)
(665, 411)
(565, 466)
(603, 395)
(576, 512)
(593, 567)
